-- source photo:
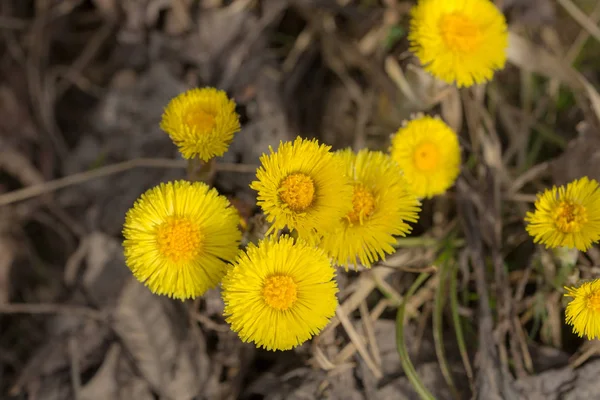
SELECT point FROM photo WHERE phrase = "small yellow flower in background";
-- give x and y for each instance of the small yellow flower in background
(201, 122)
(583, 312)
(280, 293)
(178, 238)
(302, 186)
(459, 41)
(382, 206)
(567, 216)
(427, 151)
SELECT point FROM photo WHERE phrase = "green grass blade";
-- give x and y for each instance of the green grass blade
(438, 337)
(460, 337)
(407, 365)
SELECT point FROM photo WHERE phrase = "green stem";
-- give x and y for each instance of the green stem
(201, 171)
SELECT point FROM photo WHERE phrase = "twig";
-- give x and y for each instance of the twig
(49, 308)
(532, 173)
(75, 179)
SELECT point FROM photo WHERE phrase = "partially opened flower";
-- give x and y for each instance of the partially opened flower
(201, 122)
(583, 312)
(302, 186)
(428, 152)
(280, 293)
(179, 237)
(567, 216)
(459, 41)
(382, 206)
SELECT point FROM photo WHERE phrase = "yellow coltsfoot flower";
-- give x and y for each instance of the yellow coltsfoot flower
(459, 41)
(280, 293)
(583, 312)
(381, 207)
(567, 216)
(201, 122)
(179, 237)
(428, 153)
(302, 186)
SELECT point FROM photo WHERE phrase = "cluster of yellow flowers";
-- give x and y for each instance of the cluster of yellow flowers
(330, 209)
(569, 216)
(326, 209)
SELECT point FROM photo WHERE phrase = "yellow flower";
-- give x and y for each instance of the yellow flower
(381, 208)
(583, 312)
(462, 41)
(201, 122)
(280, 294)
(178, 238)
(427, 150)
(567, 216)
(302, 186)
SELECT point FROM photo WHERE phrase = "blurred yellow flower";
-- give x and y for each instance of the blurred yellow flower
(567, 216)
(280, 293)
(302, 186)
(381, 208)
(459, 41)
(583, 312)
(427, 151)
(201, 122)
(179, 237)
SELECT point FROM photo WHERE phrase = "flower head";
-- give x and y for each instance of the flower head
(280, 293)
(201, 122)
(302, 186)
(459, 41)
(178, 238)
(567, 216)
(427, 151)
(381, 207)
(583, 312)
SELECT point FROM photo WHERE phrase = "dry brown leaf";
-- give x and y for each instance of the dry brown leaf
(104, 384)
(154, 331)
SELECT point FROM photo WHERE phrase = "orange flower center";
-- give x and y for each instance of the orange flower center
(593, 302)
(363, 204)
(460, 32)
(297, 191)
(426, 156)
(280, 292)
(200, 120)
(569, 217)
(179, 239)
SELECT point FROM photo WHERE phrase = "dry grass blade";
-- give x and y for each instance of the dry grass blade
(581, 18)
(358, 342)
(349, 350)
(530, 57)
(365, 286)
